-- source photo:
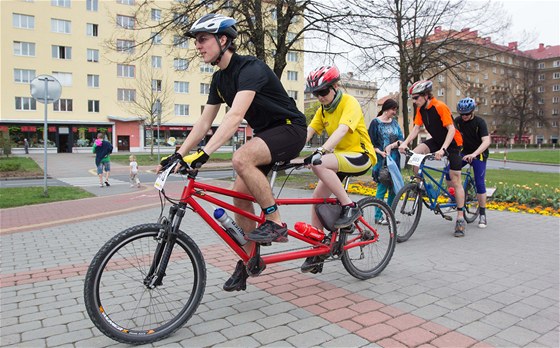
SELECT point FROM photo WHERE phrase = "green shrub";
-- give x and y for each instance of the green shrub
(9, 166)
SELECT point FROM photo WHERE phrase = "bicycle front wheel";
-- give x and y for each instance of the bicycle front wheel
(471, 201)
(367, 261)
(407, 208)
(117, 298)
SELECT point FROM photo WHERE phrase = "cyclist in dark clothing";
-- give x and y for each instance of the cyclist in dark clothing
(476, 141)
(254, 93)
(436, 118)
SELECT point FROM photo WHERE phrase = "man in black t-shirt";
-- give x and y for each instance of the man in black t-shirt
(254, 93)
(476, 141)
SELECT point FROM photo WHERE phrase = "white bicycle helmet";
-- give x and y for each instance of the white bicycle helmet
(420, 87)
(214, 23)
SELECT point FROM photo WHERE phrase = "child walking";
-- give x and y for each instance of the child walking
(134, 180)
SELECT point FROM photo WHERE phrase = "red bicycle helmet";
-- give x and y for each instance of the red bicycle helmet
(322, 78)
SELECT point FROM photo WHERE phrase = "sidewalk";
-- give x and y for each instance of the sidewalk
(496, 287)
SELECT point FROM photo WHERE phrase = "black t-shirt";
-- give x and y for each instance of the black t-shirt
(271, 106)
(472, 132)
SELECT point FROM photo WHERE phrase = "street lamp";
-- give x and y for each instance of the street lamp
(156, 109)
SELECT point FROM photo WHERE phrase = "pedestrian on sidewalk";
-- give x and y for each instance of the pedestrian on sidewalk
(102, 149)
(26, 146)
(134, 180)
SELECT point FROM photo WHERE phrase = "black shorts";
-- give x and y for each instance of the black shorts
(284, 143)
(454, 154)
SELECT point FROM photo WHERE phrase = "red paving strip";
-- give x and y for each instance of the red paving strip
(374, 321)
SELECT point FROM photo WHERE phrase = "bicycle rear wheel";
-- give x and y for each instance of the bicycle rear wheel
(367, 261)
(122, 306)
(471, 201)
(407, 208)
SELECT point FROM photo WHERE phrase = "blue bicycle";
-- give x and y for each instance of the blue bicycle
(426, 189)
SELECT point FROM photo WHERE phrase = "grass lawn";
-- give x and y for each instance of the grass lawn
(538, 156)
(20, 196)
(19, 166)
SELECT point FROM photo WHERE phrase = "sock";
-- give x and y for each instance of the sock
(482, 210)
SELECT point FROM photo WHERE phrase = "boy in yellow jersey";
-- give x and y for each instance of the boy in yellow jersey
(348, 149)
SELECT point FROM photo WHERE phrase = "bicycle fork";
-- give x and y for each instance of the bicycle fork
(166, 241)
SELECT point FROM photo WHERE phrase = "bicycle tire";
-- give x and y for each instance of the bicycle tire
(118, 302)
(471, 201)
(406, 214)
(365, 262)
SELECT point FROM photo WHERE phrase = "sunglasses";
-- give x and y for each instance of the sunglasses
(470, 113)
(416, 97)
(322, 92)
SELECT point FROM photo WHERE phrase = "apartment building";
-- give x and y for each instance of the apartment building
(89, 46)
(497, 78)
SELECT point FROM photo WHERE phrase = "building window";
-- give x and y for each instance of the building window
(126, 2)
(556, 63)
(92, 29)
(540, 101)
(65, 78)
(25, 104)
(540, 124)
(540, 65)
(155, 15)
(92, 55)
(124, 70)
(23, 21)
(555, 88)
(180, 64)
(206, 68)
(541, 77)
(24, 49)
(92, 5)
(540, 112)
(204, 88)
(554, 124)
(556, 75)
(93, 105)
(181, 87)
(293, 94)
(125, 46)
(126, 95)
(93, 81)
(440, 92)
(63, 105)
(486, 76)
(292, 56)
(554, 112)
(156, 38)
(61, 26)
(457, 92)
(156, 85)
(126, 22)
(555, 100)
(181, 110)
(156, 62)
(61, 52)
(60, 3)
(23, 75)
(540, 89)
(292, 75)
(440, 78)
(180, 41)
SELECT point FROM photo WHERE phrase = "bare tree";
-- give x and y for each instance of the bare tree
(267, 29)
(406, 39)
(515, 101)
(152, 101)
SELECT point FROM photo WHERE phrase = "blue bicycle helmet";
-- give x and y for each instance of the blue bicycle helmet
(466, 106)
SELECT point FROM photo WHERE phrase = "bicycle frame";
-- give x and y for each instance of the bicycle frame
(194, 190)
(425, 175)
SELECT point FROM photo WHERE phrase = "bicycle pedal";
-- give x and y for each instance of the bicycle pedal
(265, 243)
(447, 217)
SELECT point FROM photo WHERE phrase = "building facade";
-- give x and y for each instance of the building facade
(108, 85)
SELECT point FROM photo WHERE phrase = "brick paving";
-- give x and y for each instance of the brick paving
(497, 287)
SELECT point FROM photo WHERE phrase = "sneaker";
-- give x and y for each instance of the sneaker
(131, 185)
(238, 280)
(313, 264)
(348, 215)
(269, 232)
(107, 183)
(460, 228)
(382, 221)
(101, 185)
(482, 221)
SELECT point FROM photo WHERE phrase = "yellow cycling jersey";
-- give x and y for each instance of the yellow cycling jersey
(348, 112)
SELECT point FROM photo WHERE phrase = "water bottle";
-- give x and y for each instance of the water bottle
(451, 193)
(230, 226)
(309, 231)
(432, 193)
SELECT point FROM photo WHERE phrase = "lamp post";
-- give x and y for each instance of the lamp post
(156, 108)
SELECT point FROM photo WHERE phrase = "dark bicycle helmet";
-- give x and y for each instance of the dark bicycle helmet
(466, 106)
(322, 78)
(420, 87)
(214, 23)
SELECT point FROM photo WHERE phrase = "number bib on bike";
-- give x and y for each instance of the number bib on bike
(416, 159)
(160, 182)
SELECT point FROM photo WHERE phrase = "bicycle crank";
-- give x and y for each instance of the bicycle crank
(255, 266)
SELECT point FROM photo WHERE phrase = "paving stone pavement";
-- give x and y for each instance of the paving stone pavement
(497, 287)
